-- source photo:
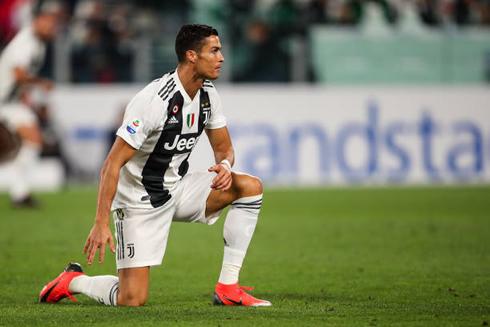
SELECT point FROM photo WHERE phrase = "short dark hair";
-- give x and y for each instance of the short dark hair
(191, 37)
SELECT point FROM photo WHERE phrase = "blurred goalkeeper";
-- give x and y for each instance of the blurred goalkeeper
(20, 63)
(145, 182)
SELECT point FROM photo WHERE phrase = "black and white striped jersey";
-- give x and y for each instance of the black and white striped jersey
(164, 125)
(26, 51)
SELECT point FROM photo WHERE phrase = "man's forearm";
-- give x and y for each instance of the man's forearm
(228, 154)
(23, 77)
(107, 190)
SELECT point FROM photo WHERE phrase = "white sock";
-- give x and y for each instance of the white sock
(100, 288)
(23, 164)
(237, 233)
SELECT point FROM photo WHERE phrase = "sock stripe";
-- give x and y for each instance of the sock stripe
(247, 207)
(248, 203)
(113, 293)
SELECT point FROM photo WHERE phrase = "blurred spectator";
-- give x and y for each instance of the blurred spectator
(352, 11)
(266, 61)
(170, 15)
(103, 50)
(285, 17)
(241, 11)
(428, 11)
(14, 14)
(103, 33)
(285, 23)
(462, 12)
(484, 10)
(316, 12)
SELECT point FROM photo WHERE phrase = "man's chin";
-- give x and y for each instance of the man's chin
(213, 76)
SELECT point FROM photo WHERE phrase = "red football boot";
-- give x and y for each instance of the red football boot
(58, 288)
(235, 295)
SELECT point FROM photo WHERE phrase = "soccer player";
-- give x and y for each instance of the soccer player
(145, 179)
(20, 62)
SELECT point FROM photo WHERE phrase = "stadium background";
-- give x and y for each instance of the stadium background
(316, 92)
(368, 122)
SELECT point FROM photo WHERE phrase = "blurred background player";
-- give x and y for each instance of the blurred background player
(20, 63)
(9, 144)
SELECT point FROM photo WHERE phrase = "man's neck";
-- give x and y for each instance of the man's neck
(36, 30)
(190, 80)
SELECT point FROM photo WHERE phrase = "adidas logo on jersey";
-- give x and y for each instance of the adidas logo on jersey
(173, 120)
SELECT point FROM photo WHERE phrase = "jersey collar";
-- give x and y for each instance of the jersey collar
(186, 96)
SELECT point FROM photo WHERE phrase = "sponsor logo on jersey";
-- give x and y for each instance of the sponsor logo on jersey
(181, 144)
(190, 120)
(130, 130)
(175, 109)
(173, 120)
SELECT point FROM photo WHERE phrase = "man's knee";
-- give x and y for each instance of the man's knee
(248, 185)
(131, 298)
(255, 185)
(133, 286)
(31, 134)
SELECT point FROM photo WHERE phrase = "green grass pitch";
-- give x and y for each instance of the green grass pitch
(337, 257)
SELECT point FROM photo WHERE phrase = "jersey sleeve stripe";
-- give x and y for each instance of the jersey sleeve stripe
(163, 89)
(168, 92)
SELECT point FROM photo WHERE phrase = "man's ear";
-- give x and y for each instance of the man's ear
(191, 56)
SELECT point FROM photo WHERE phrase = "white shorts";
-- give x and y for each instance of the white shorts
(142, 233)
(17, 114)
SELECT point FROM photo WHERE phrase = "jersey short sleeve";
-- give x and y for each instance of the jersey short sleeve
(27, 51)
(23, 59)
(140, 119)
(24, 51)
(217, 119)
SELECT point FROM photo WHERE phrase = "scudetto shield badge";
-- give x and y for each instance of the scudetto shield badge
(190, 120)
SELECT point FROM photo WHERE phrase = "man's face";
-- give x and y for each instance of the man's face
(47, 26)
(209, 59)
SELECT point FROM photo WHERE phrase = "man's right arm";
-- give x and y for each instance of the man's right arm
(100, 234)
(23, 77)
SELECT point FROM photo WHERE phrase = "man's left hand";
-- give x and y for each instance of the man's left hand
(222, 182)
